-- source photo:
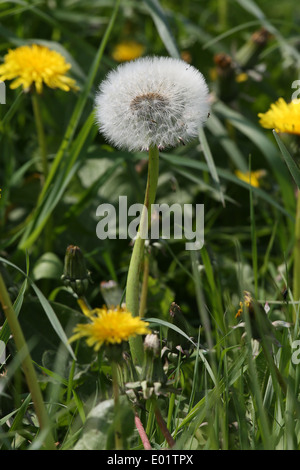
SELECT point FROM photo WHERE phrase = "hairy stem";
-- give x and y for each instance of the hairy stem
(161, 423)
(144, 292)
(142, 433)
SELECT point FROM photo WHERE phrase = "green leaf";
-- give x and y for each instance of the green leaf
(54, 375)
(162, 26)
(52, 318)
(210, 162)
(158, 321)
(46, 307)
(5, 330)
(292, 165)
(176, 160)
(48, 266)
(219, 131)
(98, 432)
(267, 148)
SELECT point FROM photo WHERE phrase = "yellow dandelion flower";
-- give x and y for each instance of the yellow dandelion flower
(247, 303)
(241, 77)
(36, 64)
(110, 326)
(282, 116)
(252, 177)
(127, 50)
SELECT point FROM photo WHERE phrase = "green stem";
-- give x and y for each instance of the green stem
(118, 430)
(143, 302)
(71, 376)
(222, 14)
(150, 418)
(40, 133)
(296, 282)
(44, 157)
(161, 423)
(28, 368)
(133, 278)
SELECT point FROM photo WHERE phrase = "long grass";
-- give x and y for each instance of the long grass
(230, 392)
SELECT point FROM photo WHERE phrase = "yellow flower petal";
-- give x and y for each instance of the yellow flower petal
(127, 50)
(253, 177)
(282, 116)
(109, 326)
(38, 65)
(241, 77)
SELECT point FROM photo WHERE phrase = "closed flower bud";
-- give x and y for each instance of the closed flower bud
(152, 368)
(75, 273)
(152, 345)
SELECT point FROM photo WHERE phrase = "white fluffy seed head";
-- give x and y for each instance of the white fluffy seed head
(152, 101)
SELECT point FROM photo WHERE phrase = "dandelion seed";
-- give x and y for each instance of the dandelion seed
(152, 102)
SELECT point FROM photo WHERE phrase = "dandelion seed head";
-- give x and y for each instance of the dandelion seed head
(152, 101)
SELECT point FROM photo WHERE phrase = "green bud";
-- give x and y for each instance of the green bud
(152, 370)
(152, 345)
(247, 56)
(75, 273)
(226, 83)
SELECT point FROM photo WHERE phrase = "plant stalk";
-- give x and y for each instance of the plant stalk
(133, 278)
(143, 301)
(142, 433)
(296, 282)
(44, 158)
(28, 368)
(40, 134)
(118, 429)
(161, 423)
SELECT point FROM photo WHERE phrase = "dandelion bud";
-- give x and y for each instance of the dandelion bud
(152, 344)
(75, 273)
(226, 71)
(152, 368)
(248, 55)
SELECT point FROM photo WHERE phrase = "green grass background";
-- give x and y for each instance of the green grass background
(225, 399)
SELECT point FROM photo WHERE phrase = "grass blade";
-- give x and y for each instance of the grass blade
(162, 27)
(47, 308)
(210, 162)
(292, 165)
